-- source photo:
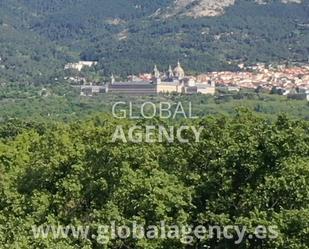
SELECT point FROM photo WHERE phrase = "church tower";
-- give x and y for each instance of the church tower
(170, 74)
(156, 73)
(112, 79)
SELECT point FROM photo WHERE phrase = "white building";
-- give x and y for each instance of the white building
(80, 65)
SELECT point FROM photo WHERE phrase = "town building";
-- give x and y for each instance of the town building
(90, 90)
(172, 81)
(299, 96)
(80, 65)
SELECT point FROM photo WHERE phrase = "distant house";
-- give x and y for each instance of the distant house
(229, 88)
(80, 65)
(303, 90)
(88, 90)
(299, 96)
(283, 91)
(206, 89)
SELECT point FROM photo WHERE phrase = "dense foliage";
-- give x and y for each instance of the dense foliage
(244, 171)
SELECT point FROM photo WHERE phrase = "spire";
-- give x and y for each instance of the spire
(170, 73)
(156, 72)
(112, 79)
(170, 70)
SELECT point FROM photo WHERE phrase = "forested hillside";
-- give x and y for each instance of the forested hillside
(25, 56)
(38, 37)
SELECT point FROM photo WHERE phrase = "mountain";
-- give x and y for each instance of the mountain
(202, 8)
(128, 36)
(26, 56)
(197, 8)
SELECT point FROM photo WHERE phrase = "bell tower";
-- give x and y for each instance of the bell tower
(170, 74)
(156, 72)
(112, 79)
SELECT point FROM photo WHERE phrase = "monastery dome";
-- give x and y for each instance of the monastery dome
(179, 72)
